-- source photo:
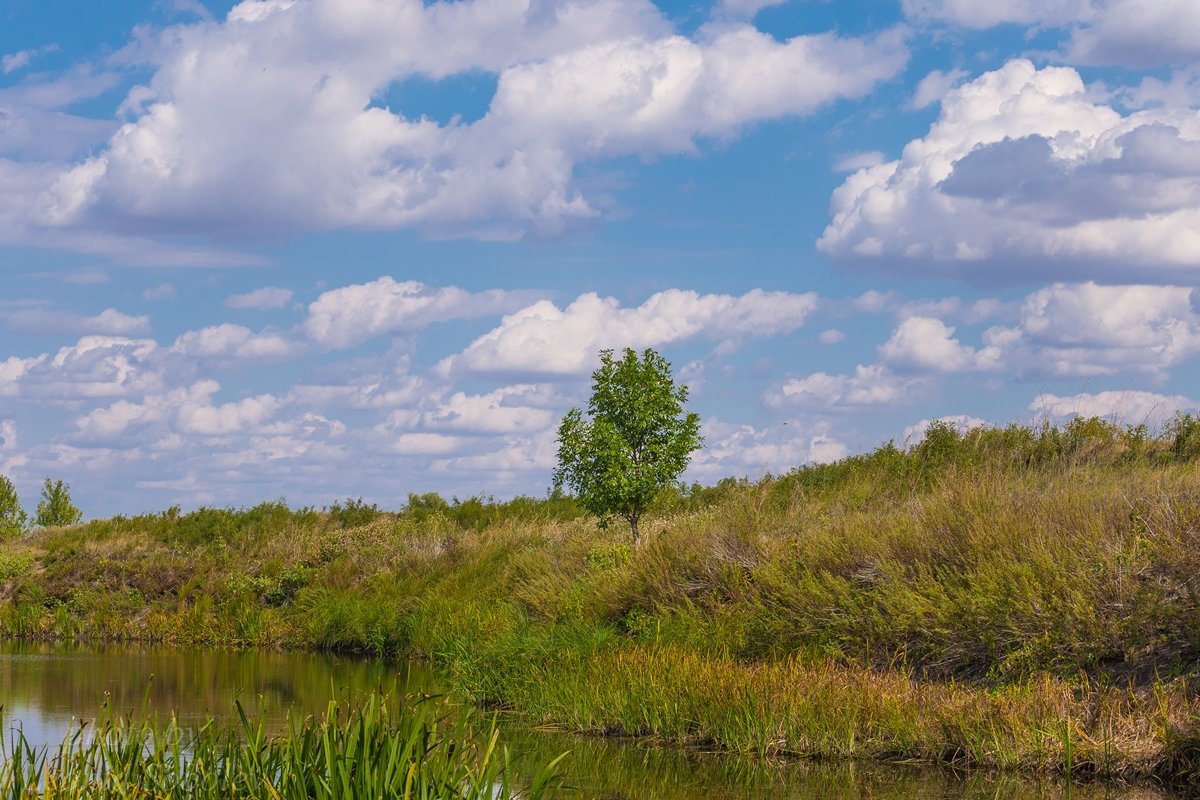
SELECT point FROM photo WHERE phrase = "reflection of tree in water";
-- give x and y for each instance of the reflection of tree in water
(604, 769)
(64, 680)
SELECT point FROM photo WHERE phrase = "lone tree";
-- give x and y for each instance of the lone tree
(13, 519)
(637, 442)
(55, 509)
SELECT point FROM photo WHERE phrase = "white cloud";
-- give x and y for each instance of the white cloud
(831, 336)
(264, 299)
(163, 291)
(853, 162)
(1024, 172)
(932, 88)
(11, 457)
(94, 367)
(108, 322)
(215, 420)
(507, 410)
(1085, 329)
(288, 89)
(229, 341)
(744, 450)
(745, 9)
(188, 411)
(988, 13)
(544, 339)
(352, 314)
(1133, 33)
(869, 387)
(1121, 407)
(21, 59)
(924, 344)
(1137, 33)
(516, 455)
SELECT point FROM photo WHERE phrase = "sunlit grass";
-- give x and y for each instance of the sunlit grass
(1018, 598)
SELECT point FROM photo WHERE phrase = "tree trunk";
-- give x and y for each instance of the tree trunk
(633, 521)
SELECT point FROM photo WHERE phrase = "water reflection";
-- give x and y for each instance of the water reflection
(615, 770)
(43, 688)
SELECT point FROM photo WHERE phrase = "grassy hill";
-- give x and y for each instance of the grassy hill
(1016, 598)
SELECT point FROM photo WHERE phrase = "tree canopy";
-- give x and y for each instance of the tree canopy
(13, 519)
(55, 509)
(635, 440)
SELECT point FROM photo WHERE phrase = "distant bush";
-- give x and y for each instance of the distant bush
(1184, 434)
(353, 513)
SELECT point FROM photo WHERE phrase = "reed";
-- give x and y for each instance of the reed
(374, 748)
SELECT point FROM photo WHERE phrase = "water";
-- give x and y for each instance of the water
(46, 689)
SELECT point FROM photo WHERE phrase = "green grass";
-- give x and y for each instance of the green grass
(375, 748)
(1016, 598)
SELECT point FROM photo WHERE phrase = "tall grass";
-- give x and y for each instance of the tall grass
(1017, 597)
(372, 749)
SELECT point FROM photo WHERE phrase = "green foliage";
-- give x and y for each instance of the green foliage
(607, 556)
(13, 519)
(353, 513)
(636, 443)
(1184, 433)
(15, 565)
(55, 509)
(377, 748)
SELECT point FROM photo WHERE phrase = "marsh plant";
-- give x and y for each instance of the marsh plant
(371, 749)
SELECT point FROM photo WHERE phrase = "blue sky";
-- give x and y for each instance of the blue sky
(332, 248)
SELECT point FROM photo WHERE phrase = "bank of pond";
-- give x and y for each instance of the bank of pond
(1016, 601)
(136, 721)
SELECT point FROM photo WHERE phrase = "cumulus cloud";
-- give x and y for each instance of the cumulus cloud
(94, 367)
(264, 299)
(1023, 171)
(544, 339)
(932, 88)
(1082, 330)
(1120, 407)
(924, 344)
(746, 450)
(868, 387)
(229, 341)
(1133, 33)
(188, 410)
(988, 13)
(271, 120)
(507, 410)
(108, 322)
(353, 314)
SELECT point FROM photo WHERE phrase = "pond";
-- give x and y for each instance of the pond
(45, 689)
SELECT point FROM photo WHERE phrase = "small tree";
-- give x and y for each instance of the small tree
(637, 442)
(55, 509)
(13, 519)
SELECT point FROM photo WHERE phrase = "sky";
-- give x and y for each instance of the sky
(329, 249)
